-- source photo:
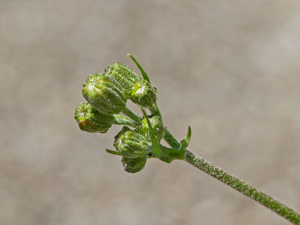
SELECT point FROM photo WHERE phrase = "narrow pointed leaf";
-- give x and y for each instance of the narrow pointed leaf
(185, 142)
(145, 76)
(155, 142)
(112, 152)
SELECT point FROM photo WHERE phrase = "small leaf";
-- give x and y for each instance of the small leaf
(185, 142)
(145, 76)
(155, 142)
(112, 152)
(169, 154)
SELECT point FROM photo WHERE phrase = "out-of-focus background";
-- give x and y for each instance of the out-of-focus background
(230, 69)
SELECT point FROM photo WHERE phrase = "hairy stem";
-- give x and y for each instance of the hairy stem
(121, 120)
(236, 183)
(242, 187)
(171, 140)
(131, 115)
(155, 110)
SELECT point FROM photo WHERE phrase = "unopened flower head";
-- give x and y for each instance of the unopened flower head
(143, 94)
(91, 120)
(125, 76)
(104, 94)
(131, 144)
(134, 165)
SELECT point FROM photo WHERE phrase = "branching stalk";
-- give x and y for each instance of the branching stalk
(106, 99)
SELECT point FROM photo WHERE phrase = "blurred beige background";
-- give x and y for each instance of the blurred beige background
(230, 69)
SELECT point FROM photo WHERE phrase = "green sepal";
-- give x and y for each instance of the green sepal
(145, 76)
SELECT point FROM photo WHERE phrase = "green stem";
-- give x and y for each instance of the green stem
(155, 110)
(171, 140)
(121, 120)
(131, 115)
(236, 183)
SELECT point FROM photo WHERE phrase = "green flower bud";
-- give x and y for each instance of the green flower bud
(131, 144)
(104, 94)
(125, 76)
(134, 165)
(157, 125)
(91, 120)
(143, 93)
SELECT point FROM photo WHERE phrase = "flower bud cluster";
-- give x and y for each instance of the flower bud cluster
(106, 95)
